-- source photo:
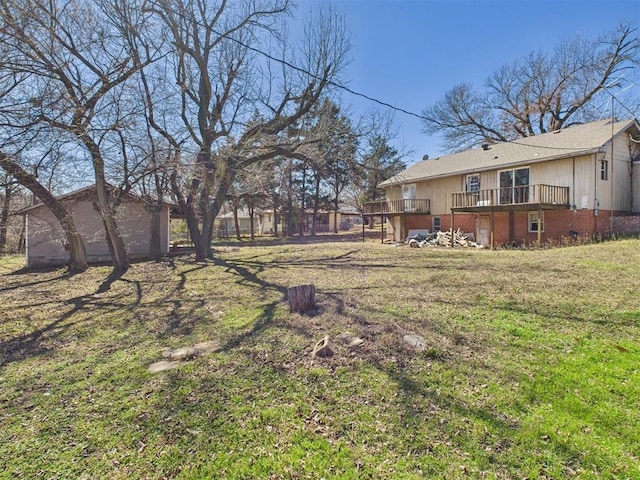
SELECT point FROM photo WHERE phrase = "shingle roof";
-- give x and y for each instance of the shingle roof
(569, 142)
(80, 192)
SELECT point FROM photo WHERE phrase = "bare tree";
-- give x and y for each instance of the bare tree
(78, 254)
(8, 188)
(377, 159)
(77, 60)
(339, 150)
(223, 79)
(541, 93)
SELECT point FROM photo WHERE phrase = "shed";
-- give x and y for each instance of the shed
(45, 241)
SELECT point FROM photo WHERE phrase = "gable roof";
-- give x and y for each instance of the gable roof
(569, 142)
(89, 190)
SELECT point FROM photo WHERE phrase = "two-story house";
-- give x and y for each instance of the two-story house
(568, 182)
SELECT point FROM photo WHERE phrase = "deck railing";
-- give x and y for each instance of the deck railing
(387, 207)
(524, 195)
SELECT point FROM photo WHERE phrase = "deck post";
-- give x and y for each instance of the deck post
(381, 228)
(493, 227)
(539, 226)
(452, 227)
(363, 219)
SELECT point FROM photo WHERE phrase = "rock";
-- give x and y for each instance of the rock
(207, 347)
(348, 340)
(183, 353)
(187, 353)
(162, 366)
(323, 348)
(415, 341)
(344, 338)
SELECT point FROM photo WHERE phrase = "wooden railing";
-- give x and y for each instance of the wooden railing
(525, 195)
(387, 207)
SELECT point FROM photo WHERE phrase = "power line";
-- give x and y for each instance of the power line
(362, 95)
(306, 72)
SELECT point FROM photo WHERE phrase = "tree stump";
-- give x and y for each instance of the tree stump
(302, 298)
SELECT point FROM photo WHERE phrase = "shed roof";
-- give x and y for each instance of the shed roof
(569, 142)
(81, 192)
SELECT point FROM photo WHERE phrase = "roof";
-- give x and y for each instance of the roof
(79, 193)
(569, 142)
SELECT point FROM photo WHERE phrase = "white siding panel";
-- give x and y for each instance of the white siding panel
(46, 240)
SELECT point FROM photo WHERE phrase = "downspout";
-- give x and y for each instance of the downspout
(573, 188)
(596, 203)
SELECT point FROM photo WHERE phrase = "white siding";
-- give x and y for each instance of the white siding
(46, 240)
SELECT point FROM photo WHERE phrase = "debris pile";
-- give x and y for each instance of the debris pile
(442, 239)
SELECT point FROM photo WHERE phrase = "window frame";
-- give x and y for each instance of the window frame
(604, 170)
(512, 194)
(438, 220)
(468, 184)
(532, 222)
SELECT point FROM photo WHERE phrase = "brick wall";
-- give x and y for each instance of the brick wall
(562, 223)
(626, 224)
(418, 222)
(557, 224)
(466, 222)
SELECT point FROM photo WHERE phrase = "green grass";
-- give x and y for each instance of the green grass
(531, 366)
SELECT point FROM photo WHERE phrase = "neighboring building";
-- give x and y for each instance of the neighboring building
(264, 222)
(46, 243)
(569, 182)
(224, 224)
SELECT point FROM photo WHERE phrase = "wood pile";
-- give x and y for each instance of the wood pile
(442, 239)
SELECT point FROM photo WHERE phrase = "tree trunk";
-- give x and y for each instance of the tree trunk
(316, 205)
(276, 219)
(77, 252)
(119, 255)
(155, 244)
(335, 215)
(4, 216)
(236, 222)
(302, 200)
(251, 224)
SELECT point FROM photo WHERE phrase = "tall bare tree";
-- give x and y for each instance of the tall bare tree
(8, 188)
(224, 78)
(77, 61)
(78, 255)
(540, 93)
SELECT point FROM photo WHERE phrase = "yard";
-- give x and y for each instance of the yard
(531, 367)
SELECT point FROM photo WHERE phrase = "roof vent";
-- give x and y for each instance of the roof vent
(425, 157)
(485, 146)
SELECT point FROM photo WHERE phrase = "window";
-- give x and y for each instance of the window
(533, 222)
(409, 191)
(604, 169)
(436, 224)
(409, 197)
(514, 186)
(472, 183)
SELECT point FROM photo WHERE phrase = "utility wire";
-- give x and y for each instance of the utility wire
(359, 94)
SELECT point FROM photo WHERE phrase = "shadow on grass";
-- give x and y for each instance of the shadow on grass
(47, 338)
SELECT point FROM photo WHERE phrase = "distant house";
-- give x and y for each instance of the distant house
(225, 227)
(582, 180)
(264, 222)
(46, 243)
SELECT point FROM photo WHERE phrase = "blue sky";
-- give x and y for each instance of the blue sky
(409, 52)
